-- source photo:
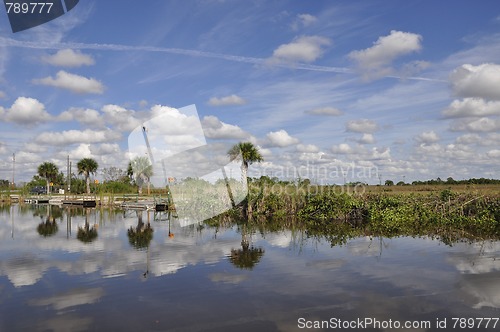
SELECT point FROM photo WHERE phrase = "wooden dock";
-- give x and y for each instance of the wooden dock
(138, 205)
(84, 201)
(80, 202)
(37, 200)
(144, 205)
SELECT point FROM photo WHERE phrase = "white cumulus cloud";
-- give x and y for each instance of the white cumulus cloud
(301, 49)
(303, 20)
(69, 58)
(342, 148)
(281, 138)
(77, 136)
(477, 81)
(72, 82)
(120, 118)
(494, 153)
(478, 125)
(362, 126)
(307, 148)
(366, 139)
(216, 129)
(25, 111)
(86, 116)
(105, 149)
(472, 107)
(428, 137)
(376, 61)
(468, 139)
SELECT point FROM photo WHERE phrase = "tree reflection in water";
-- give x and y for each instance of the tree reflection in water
(87, 234)
(49, 226)
(140, 236)
(248, 256)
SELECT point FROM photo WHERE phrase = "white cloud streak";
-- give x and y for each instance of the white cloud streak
(8, 42)
(227, 101)
(331, 111)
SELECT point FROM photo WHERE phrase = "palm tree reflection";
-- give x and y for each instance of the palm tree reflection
(248, 256)
(86, 233)
(49, 226)
(140, 236)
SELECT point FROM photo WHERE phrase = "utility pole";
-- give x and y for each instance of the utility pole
(67, 179)
(13, 169)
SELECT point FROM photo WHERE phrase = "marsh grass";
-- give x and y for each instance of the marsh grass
(459, 213)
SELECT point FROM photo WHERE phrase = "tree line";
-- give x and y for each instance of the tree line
(138, 173)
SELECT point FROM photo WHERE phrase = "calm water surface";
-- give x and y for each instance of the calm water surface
(202, 279)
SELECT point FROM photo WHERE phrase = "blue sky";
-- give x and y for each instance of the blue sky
(408, 90)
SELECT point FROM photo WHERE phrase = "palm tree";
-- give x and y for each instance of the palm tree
(248, 153)
(143, 171)
(87, 166)
(48, 171)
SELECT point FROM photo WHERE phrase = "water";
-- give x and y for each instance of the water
(202, 279)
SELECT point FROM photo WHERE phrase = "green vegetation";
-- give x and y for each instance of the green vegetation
(451, 210)
(450, 180)
(341, 213)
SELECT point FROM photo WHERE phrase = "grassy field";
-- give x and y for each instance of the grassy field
(487, 189)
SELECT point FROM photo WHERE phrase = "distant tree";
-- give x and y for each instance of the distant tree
(113, 174)
(400, 183)
(450, 180)
(48, 171)
(389, 182)
(87, 166)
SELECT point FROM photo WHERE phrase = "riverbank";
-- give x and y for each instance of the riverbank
(341, 213)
